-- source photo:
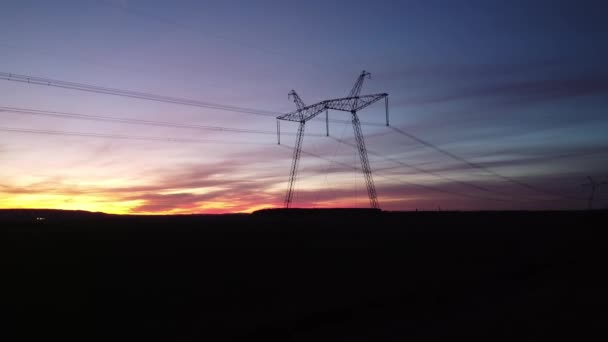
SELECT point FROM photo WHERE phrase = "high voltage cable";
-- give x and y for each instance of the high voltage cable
(147, 96)
(127, 137)
(79, 116)
(478, 166)
(405, 182)
(133, 94)
(413, 184)
(429, 172)
(432, 173)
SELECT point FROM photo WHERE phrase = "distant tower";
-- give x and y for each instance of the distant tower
(593, 185)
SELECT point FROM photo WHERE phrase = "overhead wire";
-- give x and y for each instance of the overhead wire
(428, 187)
(128, 137)
(36, 80)
(133, 94)
(79, 116)
(429, 172)
(478, 166)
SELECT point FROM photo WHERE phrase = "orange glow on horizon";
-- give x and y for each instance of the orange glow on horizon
(67, 202)
(106, 205)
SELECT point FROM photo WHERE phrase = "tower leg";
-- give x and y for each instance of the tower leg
(386, 107)
(278, 132)
(294, 164)
(367, 172)
(327, 122)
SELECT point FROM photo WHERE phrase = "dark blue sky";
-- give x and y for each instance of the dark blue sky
(519, 87)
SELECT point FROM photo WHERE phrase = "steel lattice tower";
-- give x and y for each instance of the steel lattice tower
(593, 186)
(353, 103)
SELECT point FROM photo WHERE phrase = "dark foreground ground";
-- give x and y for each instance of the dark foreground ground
(303, 276)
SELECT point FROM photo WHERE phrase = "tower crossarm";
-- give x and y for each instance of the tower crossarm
(346, 104)
(305, 113)
(350, 104)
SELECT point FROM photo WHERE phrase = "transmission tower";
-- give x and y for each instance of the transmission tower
(353, 103)
(593, 185)
(297, 147)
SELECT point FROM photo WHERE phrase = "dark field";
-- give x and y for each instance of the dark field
(303, 276)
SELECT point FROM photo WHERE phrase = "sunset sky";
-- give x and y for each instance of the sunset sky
(519, 88)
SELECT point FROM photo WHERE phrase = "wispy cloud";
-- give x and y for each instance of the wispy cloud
(518, 92)
(441, 73)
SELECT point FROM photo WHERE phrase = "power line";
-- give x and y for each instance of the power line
(127, 137)
(146, 96)
(432, 188)
(56, 114)
(480, 167)
(429, 172)
(132, 94)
